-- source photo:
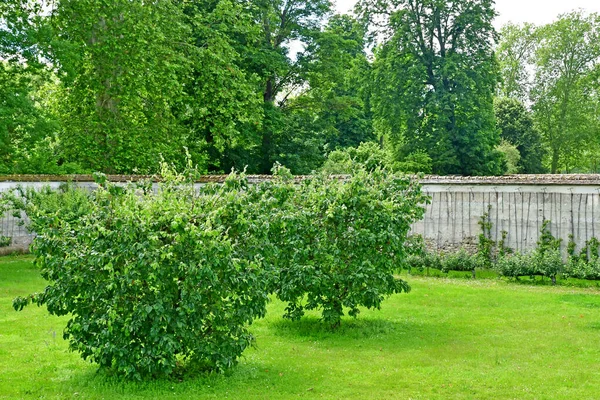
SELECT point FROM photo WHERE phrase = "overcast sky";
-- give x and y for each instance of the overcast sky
(536, 11)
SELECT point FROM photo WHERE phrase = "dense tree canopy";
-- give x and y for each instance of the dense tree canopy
(117, 86)
(553, 68)
(436, 76)
(516, 126)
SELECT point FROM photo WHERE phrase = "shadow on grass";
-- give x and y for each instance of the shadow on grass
(366, 332)
(311, 326)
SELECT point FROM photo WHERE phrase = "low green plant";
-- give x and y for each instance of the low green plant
(5, 241)
(546, 260)
(503, 248)
(582, 269)
(47, 207)
(425, 261)
(461, 261)
(547, 241)
(593, 249)
(537, 263)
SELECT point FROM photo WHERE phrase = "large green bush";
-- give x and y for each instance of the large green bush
(152, 279)
(341, 240)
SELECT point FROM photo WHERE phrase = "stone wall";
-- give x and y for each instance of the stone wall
(517, 204)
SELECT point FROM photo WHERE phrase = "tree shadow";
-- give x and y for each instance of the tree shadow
(364, 331)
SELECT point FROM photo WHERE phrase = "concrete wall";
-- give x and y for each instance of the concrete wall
(519, 205)
(452, 218)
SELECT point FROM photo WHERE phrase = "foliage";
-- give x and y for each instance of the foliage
(222, 96)
(333, 110)
(435, 79)
(553, 68)
(516, 126)
(281, 22)
(342, 241)
(515, 51)
(425, 261)
(485, 245)
(90, 85)
(48, 207)
(548, 264)
(369, 156)
(151, 279)
(27, 131)
(547, 241)
(503, 248)
(5, 241)
(564, 94)
(583, 269)
(417, 162)
(461, 261)
(159, 277)
(512, 157)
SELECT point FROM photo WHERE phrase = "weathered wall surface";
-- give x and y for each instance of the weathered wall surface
(452, 218)
(518, 205)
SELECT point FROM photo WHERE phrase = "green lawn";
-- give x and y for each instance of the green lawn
(447, 339)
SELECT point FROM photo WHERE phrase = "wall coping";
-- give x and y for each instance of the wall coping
(544, 180)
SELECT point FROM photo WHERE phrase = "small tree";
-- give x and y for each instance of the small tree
(341, 240)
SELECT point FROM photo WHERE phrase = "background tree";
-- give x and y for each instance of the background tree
(28, 127)
(434, 82)
(515, 52)
(281, 22)
(516, 127)
(121, 65)
(27, 131)
(563, 93)
(223, 97)
(333, 109)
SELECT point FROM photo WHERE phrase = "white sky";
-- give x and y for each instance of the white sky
(517, 11)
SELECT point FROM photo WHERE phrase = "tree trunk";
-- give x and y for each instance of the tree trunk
(555, 158)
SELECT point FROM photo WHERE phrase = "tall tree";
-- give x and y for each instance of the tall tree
(121, 66)
(27, 128)
(515, 53)
(224, 95)
(333, 109)
(281, 23)
(564, 94)
(435, 79)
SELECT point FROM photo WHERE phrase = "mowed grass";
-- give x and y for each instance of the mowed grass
(447, 339)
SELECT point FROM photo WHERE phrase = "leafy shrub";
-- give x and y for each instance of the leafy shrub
(423, 261)
(151, 279)
(516, 265)
(417, 162)
(47, 207)
(461, 261)
(582, 269)
(485, 245)
(549, 263)
(5, 241)
(537, 263)
(369, 156)
(341, 241)
(547, 241)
